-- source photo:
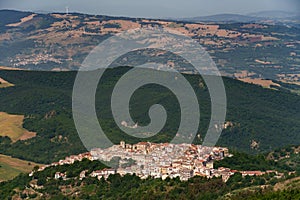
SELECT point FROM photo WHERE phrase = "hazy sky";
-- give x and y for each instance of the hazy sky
(153, 8)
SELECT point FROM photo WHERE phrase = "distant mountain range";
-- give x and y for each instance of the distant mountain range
(223, 18)
(277, 16)
(273, 14)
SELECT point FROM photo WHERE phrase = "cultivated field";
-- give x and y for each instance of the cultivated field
(4, 83)
(261, 82)
(11, 126)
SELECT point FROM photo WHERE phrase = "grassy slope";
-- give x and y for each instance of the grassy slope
(286, 189)
(11, 167)
(288, 184)
(12, 126)
(5, 84)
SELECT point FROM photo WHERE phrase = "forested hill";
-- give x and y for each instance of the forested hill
(265, 117)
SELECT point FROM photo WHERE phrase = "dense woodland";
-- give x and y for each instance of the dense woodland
(267, 116)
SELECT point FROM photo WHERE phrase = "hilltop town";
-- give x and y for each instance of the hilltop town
(163, 160)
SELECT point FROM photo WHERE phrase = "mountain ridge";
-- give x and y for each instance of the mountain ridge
(256, 17)
(61, 42)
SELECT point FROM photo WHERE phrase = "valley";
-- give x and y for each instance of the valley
(43, 150)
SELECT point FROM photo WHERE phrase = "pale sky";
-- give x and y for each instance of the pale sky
(153, 8)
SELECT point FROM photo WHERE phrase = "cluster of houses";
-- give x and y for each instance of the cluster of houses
(35, 60)
(161, 160)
